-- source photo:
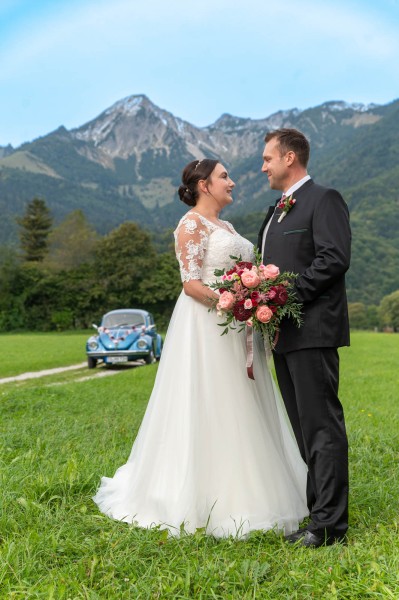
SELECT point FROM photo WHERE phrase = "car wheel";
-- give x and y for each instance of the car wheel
(91, 362)
(150, 358)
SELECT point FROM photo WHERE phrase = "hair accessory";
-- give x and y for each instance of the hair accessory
(197, 165)
(187, 190)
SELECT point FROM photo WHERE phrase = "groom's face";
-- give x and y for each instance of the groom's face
(275, 165)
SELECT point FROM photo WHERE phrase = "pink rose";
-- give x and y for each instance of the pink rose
(248, 304)
(250, 279)
(264, 314)
(226, 301)
(271, 271)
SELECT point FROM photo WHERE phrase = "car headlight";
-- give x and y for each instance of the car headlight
(93, 345)
(141, 344)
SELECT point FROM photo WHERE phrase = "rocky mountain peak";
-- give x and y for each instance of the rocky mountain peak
(130, 105)
(131, 126)
(227, 122)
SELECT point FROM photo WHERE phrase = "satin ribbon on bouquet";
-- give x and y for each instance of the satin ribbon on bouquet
(249, 342)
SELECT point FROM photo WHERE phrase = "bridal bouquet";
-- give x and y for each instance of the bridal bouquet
(257, 296)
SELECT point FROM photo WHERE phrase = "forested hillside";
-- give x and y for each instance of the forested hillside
(125, 165)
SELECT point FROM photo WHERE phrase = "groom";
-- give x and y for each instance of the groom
(312, 239)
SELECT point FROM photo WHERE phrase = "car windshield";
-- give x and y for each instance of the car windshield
(123, 319)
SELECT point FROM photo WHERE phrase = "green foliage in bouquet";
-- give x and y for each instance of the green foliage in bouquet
(256, 295)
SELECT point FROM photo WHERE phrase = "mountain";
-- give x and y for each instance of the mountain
(126, 163)
(129, 157)
(6, 150)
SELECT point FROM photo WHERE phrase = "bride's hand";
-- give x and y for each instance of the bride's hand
(196, 289)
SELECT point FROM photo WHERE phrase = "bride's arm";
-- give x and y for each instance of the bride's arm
(196, 289)
(191, 240)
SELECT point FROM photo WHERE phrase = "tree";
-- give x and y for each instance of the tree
(357, 315)
(72, 243)
(35, 228)
(389, 311)
(160, 292)
(373, 319)
(125, 258)
(11, 290)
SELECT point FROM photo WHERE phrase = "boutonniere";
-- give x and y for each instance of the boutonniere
(286, 203)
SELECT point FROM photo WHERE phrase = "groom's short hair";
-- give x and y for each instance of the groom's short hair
(291, 139)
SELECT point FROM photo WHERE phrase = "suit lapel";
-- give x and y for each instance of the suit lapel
(271, 209)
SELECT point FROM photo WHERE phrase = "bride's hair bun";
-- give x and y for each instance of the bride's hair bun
(192, 174)
(186, 195)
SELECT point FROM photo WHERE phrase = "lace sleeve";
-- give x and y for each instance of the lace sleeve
(191, 240)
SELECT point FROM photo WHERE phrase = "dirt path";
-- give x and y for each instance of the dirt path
(37, 374)
(43, 373)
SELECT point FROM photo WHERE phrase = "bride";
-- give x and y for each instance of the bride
(214, 450)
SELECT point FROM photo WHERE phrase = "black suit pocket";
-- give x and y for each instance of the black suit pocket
(294, 231)
(298, 245)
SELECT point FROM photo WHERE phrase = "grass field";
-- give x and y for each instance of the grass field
(59, 435)
(24, 352)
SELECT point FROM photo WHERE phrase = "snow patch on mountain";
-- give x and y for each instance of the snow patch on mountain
(340, 105)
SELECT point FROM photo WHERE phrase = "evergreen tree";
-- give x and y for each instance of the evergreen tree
(35, 228)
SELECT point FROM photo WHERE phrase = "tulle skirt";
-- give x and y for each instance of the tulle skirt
(215, 449)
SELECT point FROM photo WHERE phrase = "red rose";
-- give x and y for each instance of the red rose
(221, 290)
(281, 295)
(244, 265)
(255, 297)
(240, 313)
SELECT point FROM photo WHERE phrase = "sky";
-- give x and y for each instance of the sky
(62, 62)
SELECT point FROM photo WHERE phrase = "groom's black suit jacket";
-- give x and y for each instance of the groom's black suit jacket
(313, 240)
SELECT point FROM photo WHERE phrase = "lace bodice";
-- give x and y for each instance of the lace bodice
(201, 247)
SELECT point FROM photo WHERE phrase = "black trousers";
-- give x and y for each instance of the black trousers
(308, 381)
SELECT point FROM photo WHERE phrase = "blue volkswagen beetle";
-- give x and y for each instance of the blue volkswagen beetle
(124, 335)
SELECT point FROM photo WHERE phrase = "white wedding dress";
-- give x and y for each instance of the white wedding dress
(214, 450)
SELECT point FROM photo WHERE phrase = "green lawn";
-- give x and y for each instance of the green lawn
(59, 435)
(24, 352)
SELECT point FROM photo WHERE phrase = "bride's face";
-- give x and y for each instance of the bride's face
(220, 186)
